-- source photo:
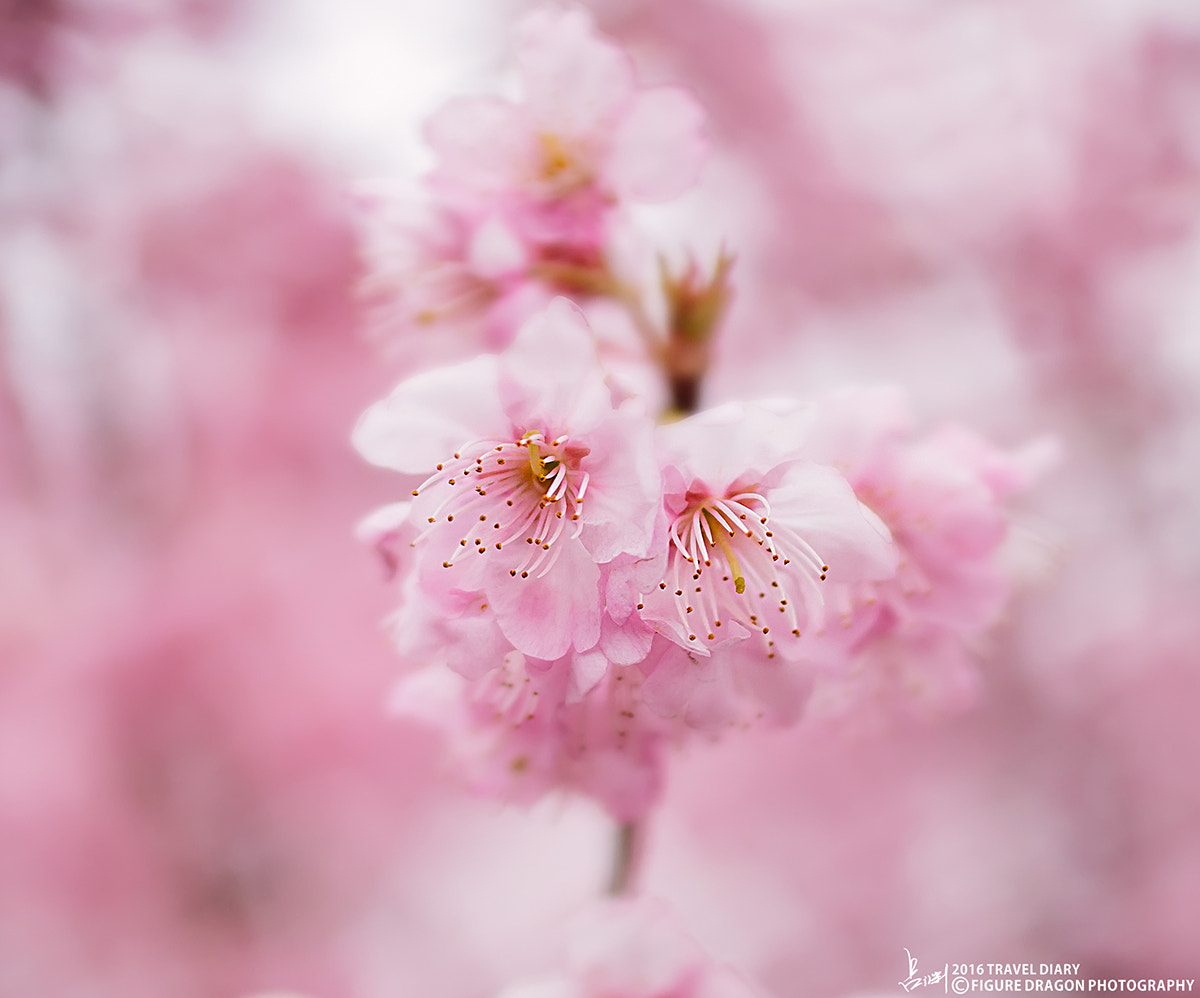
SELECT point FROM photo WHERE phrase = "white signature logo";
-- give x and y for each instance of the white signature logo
(915, 980)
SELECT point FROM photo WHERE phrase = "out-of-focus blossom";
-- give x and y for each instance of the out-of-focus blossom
(583, 137)
(527, 196)
(442, 286)
(945, 499)
(46, 44)
(633, 948)
(525, 729)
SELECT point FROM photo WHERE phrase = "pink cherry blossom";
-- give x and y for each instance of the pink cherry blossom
(527, 728)
(583, 137)
(944, 497)
(443, 282)
(519, 727)
(634, 948)
(537, 480)
(754, 531)
(755, 538)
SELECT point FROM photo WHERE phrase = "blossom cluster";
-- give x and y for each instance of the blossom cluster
(989, 204)
(584, 584)
(589, 577)
(529, 195)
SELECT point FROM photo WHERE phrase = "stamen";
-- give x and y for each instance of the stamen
(751, 551)
(533, 487)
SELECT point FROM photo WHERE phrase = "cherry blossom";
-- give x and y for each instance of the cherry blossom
(754, 530)
(536, 480)
(583, 137)
(433, 268)
(944, 496)
(526, 728)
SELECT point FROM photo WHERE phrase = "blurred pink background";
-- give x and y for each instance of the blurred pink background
(994, 203)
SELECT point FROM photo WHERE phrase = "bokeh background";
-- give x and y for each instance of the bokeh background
(994, 203)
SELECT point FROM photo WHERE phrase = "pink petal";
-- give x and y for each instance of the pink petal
(819, 505)
(626, 578)
(427, 417)
(551, 376)
(574, 81)
(633, 947)
(857, 428)
(495, 251)
(482, 144)
(730, 443)
(627, 643)
(659, 147)
(623, 501)
(547, 617)
(587, 669)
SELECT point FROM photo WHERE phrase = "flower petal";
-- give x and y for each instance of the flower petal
(573, 80)
(819, 505)
(547, 617)
(551, 376)
(482, 144)
(430, 415)
(659, 146)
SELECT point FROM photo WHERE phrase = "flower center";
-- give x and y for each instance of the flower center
(510, 495)
(729, 562)
(560, 166)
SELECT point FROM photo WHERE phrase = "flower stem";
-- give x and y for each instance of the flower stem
(626, 858)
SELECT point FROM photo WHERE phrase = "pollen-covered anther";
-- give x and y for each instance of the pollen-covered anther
(528, 488)
(753, 554)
